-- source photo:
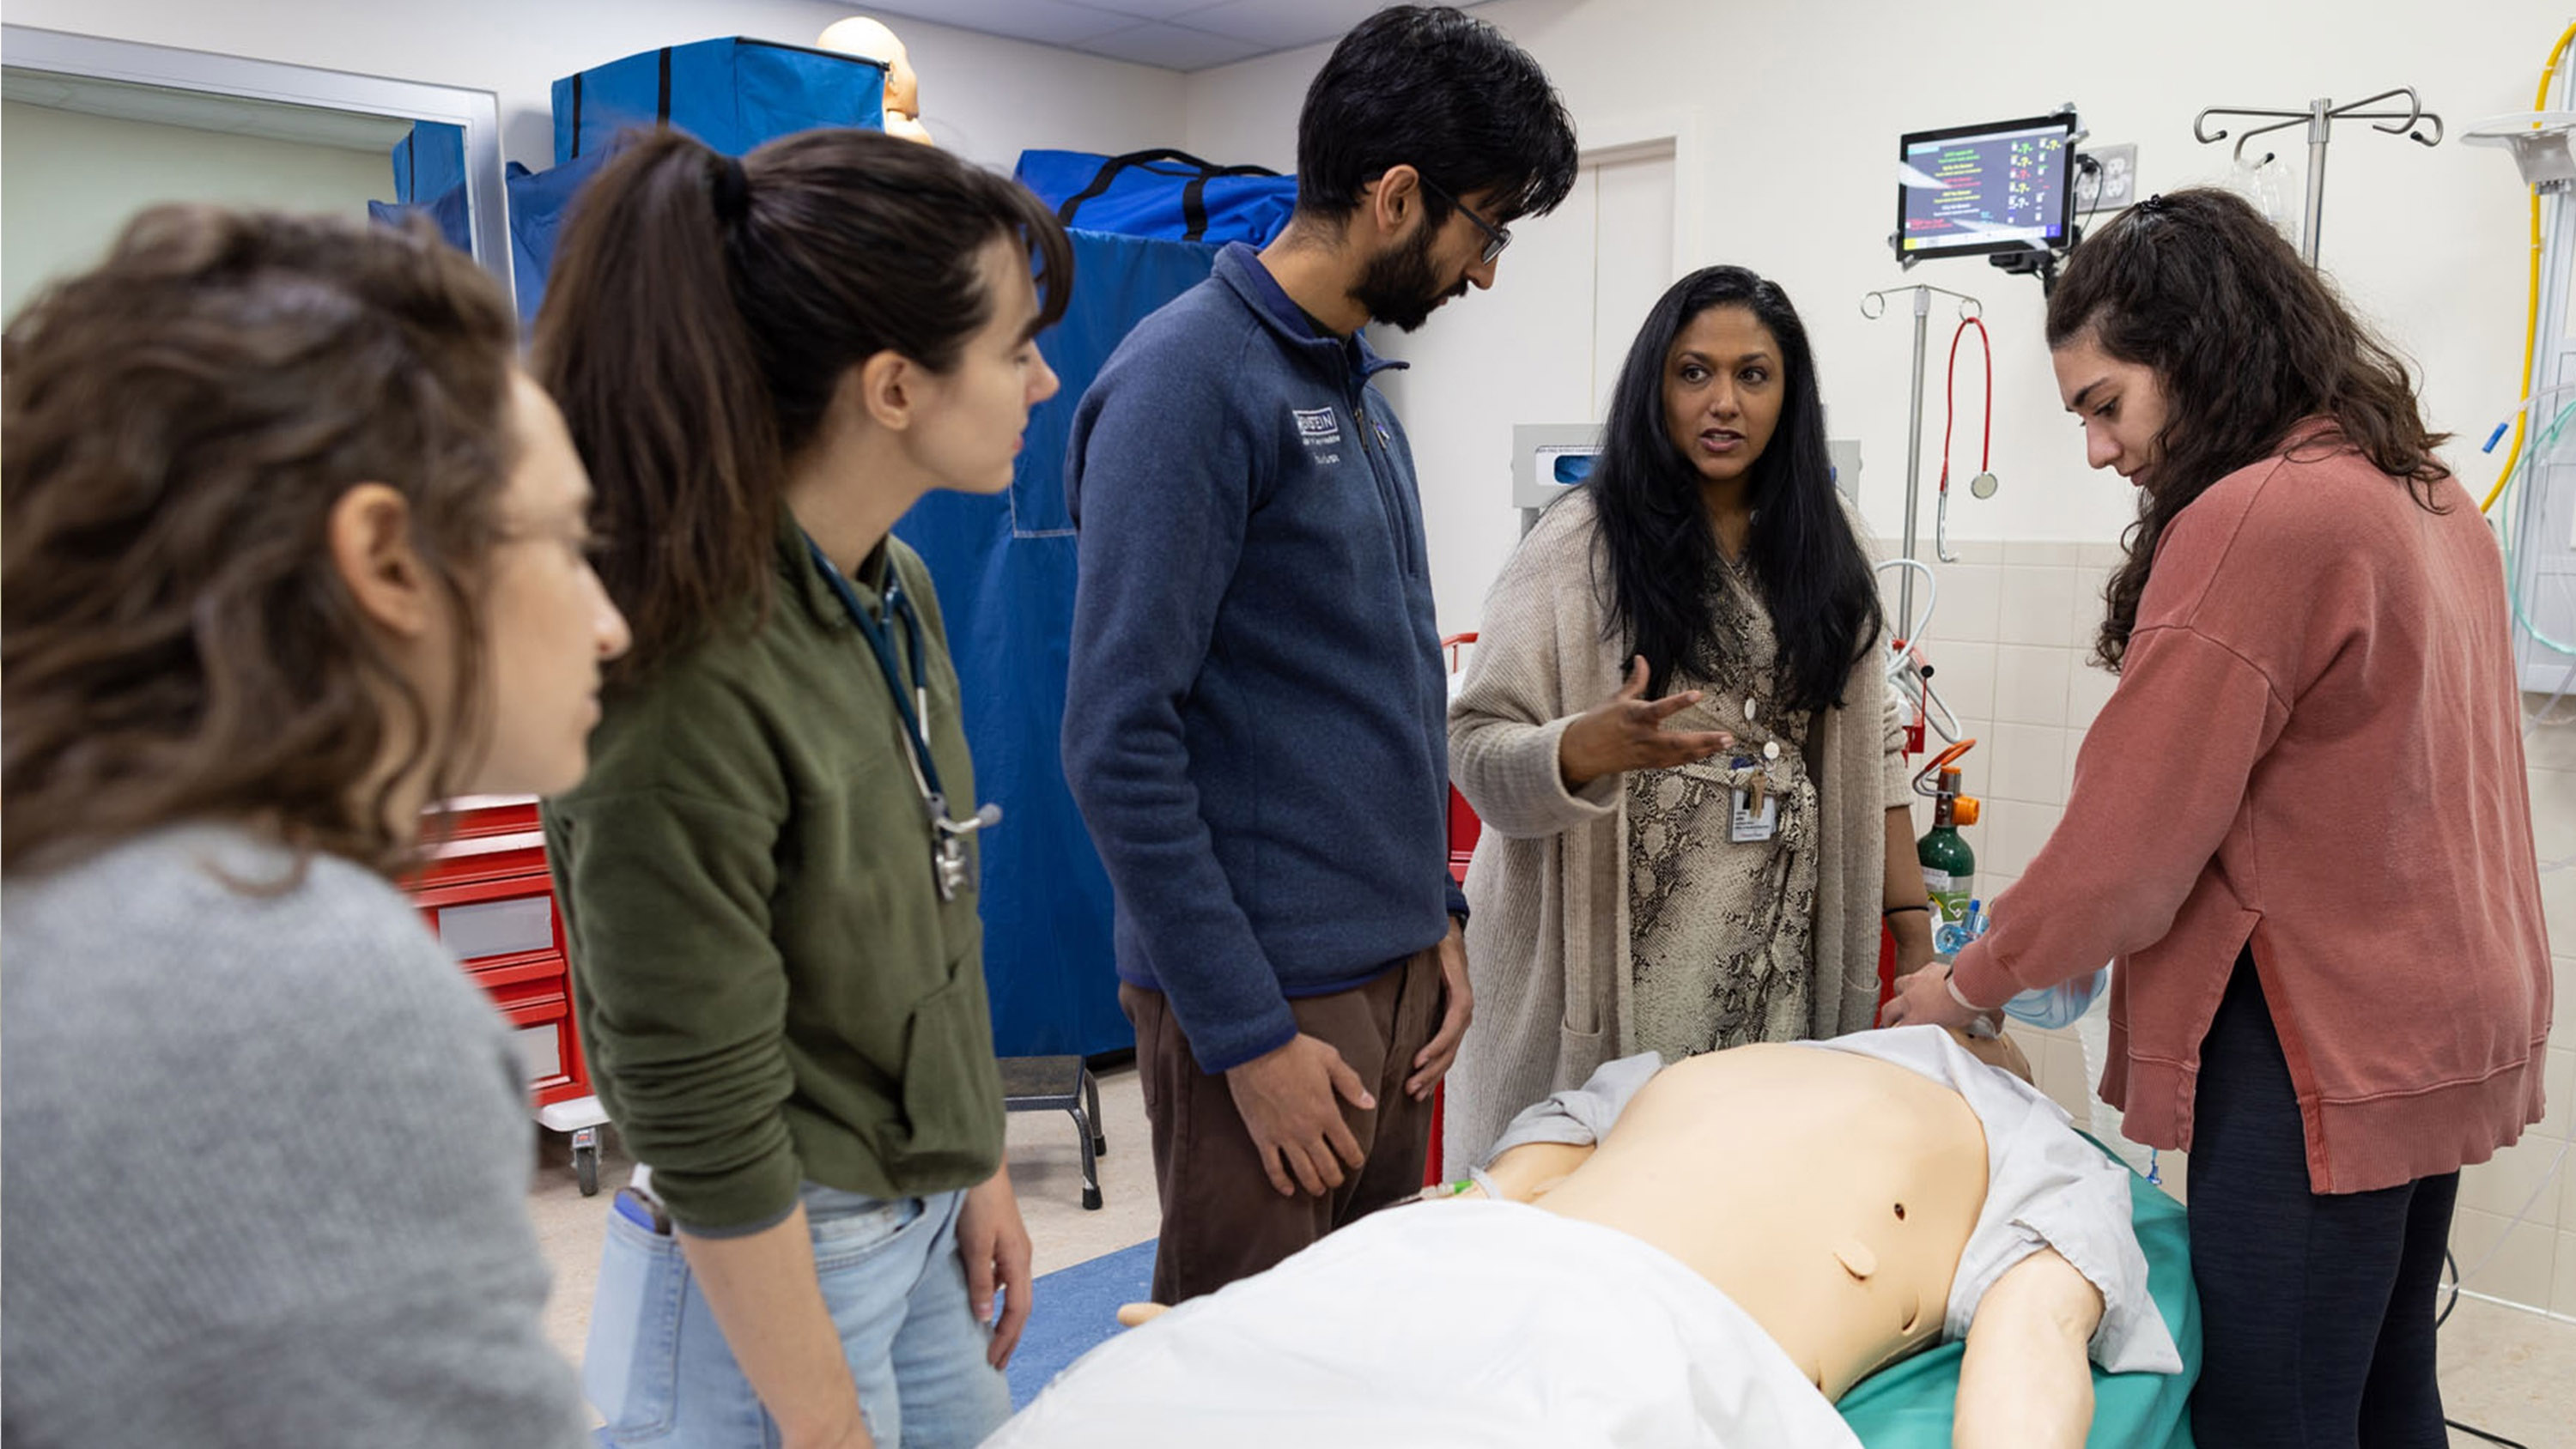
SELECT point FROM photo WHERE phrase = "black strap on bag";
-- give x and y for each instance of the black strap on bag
(1194, 216)
(662, 97)
(661, 101)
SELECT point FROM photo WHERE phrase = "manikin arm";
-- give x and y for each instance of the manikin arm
(2027, 1381)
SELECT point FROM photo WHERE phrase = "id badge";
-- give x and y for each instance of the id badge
(1751, 824)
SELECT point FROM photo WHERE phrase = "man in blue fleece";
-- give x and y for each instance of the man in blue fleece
(1255, 720)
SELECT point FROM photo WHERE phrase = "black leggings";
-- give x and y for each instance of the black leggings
(2316, 1310)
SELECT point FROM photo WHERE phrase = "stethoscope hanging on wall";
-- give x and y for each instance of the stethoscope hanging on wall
(947, 835)
(1985, 483)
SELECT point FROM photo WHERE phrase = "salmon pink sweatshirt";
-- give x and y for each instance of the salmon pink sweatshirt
(2315, 747)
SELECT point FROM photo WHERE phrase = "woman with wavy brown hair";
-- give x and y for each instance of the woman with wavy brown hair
(293, 549)
(2301, 823)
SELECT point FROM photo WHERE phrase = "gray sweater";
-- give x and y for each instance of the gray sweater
(266, 1164)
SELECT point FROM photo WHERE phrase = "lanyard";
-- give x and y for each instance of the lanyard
(947, 834)
(913, 704)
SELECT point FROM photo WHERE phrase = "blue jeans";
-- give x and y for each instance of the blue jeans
(657, 1367)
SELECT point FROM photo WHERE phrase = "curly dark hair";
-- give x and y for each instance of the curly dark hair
(2246, 342)
(175, 640)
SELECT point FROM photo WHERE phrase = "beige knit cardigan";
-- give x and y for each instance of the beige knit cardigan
(1547, 934)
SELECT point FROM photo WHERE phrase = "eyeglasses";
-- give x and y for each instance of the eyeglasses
(1496, 237)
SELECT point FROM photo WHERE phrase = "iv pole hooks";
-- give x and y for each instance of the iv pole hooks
(2321, 114)
(1873, 305)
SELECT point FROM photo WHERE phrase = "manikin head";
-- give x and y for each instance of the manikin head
(859, 35)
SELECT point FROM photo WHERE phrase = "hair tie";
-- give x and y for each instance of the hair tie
(2154, 205)
(731, 191)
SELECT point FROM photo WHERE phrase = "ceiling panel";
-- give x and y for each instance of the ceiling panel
(1275, 26)
(1181, 35)
(1172, 47)
(1150, 9)
(1048, 22)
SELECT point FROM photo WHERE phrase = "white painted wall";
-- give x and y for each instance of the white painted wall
(984, 98)
(69, 182)
(1799, 108)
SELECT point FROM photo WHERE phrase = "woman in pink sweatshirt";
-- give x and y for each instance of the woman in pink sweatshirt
(2301, 824)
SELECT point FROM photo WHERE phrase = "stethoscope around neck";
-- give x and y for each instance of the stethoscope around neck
(947, 834)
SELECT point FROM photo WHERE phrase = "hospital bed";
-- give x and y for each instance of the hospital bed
(1908, 1406)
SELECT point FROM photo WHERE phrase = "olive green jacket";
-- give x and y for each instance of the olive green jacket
(770, 988)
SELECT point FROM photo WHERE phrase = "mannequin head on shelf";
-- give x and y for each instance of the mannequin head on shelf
(862, 36)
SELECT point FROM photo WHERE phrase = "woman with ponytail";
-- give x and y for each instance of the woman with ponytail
(772, 920)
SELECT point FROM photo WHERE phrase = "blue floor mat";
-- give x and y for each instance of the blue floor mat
(1073, 1309)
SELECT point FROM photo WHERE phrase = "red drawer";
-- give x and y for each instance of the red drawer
(542, 1027)
(486, 893)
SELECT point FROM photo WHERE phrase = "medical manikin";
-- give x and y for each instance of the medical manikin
(1709, 1253)
(860, 35)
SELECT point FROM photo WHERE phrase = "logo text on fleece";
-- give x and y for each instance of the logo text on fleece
(1317, 427)
(1320, 431)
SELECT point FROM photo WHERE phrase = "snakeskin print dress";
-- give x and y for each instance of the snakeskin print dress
(1721, 930)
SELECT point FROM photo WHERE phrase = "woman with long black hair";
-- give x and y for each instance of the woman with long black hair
(1678, 735)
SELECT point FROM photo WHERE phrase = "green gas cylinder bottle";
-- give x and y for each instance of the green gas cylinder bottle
(1949, 863)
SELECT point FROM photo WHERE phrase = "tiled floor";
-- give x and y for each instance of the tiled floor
(2509, 1371)
(2505, 1370)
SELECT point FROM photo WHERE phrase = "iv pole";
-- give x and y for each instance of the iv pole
(1873, 305)
(2321, 115)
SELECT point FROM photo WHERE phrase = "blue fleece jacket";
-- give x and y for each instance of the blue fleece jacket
(1254, 722)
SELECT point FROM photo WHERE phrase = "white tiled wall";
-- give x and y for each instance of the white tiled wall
(2009, 635)
(2010, 639)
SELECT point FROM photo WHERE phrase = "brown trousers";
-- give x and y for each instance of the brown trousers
(1222, 1220)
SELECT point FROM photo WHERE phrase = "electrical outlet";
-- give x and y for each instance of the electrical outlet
(2109, 184)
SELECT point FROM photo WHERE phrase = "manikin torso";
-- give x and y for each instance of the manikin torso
(1828, 1194)
(1776, 1172)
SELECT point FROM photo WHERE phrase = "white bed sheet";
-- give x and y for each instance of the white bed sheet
(1591, 1338)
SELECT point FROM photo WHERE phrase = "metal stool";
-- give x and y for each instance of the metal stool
(1060, 1084)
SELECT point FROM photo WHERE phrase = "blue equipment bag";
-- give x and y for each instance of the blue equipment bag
(429, 162)
(731, 93)
(1004, 567)
(429, 177)
(1168, 194)
(540, 203)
